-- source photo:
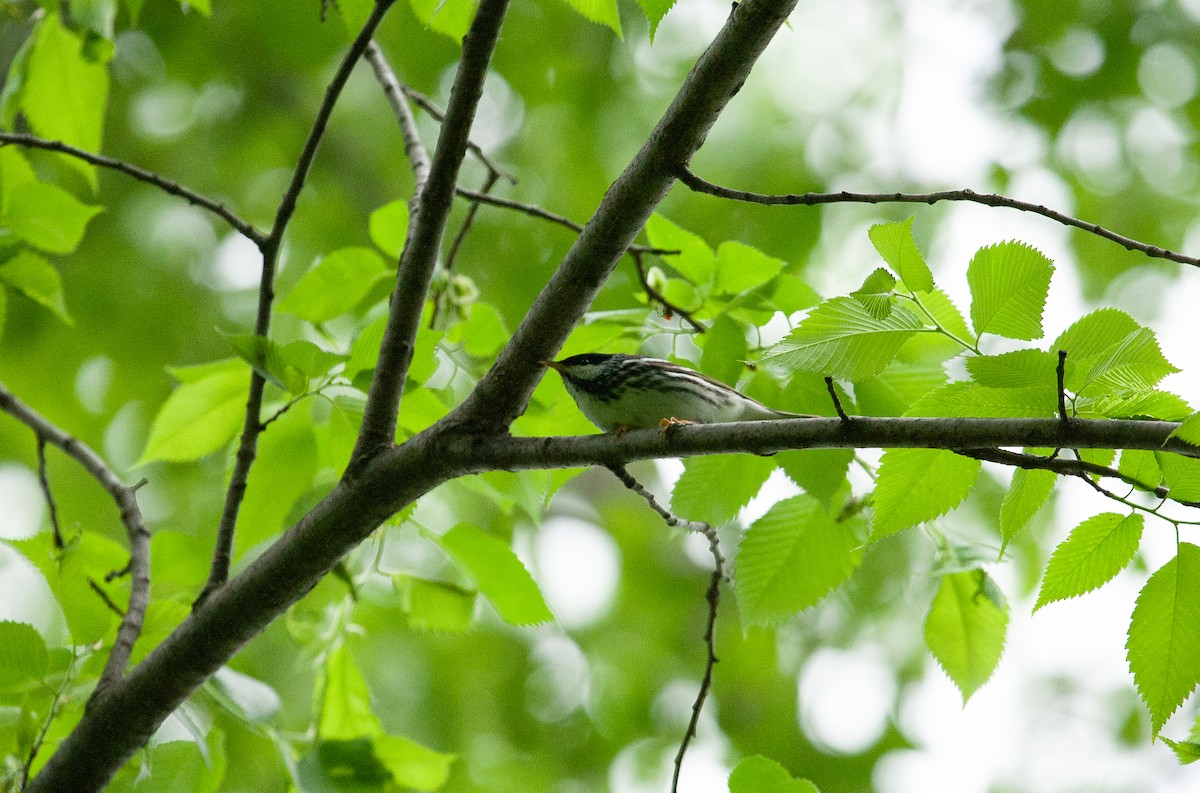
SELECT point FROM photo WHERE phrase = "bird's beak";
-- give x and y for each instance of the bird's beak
(555, 365)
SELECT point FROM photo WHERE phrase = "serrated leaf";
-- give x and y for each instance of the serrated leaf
(741, 267)
(198, 417)
(23, 655)
(484, 331)
(1108, 351)
(601, 11)
(388, 227)
(819, 472)
(36, 278)
(1027, 494)
(791, 558)
(412, 765)
(896, 245)
(965, 628)
(916, 485)
(1017, 369)
(335, 285)
(309, 359)
(758, 774)
(966, 399)
(897, 387)
(1009, 282)
(1185, 751)
(65, 91)
(47, 216)
(841, 339)
(266, 357)
(499, 574)
(1151, 404)
(1164, 636)
(1090, 557)
(724, 350)
(1140, 466)
(1181, 475)
(448, 17)
(1189, 430)
(875, 294)
(695, 260)
(714, 487)
(435, 605)
(345, 705)
(655, 10)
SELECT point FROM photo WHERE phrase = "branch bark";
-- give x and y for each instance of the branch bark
(504, 391)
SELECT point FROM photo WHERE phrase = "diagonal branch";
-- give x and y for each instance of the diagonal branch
(1061, 465)
(135, 527)
(142, 175)
(425, 233)
(252, 425)
(987, 199)
(414, 149)
(437, 114)
(504, 391)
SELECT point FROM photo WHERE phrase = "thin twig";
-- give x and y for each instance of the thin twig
(988, 199)
(252, 425)
(1060, 465)
(437, 114)
(837, 403)
(142, 175)
(712, 596)
(131, 516)
(669, 308)
(414, 149)
(99, 590)
(1061, 374)
(51, 715)
(44, 480)
(439, 295)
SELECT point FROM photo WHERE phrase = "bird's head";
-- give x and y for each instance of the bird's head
(587, 369)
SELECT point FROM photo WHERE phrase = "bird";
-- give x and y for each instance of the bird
(619, 392)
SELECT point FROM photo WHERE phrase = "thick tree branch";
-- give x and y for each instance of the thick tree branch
(502, 394)
(425, 232)
(252, 425)
(131, 516)
(987, 199)
(142, 175)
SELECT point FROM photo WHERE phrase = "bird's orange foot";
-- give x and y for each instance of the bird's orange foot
(669, 425)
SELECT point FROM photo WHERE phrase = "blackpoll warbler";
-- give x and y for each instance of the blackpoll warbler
(623, 392)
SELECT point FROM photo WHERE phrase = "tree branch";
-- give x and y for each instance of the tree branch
(131, 516)
(252, 425)
(1064, 466)
(142, 175)
(668, 307)
(437, 114)
(987, 199)
(504, 391)
(425, 233)
(414, 149)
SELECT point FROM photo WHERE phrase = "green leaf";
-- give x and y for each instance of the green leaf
(1181, 475)
(893, 390)
(309, 359)
(946, 314)
(695, 260)
(283, 471)
(1149, 404)
(1107, 351)
(1027, 494)
(266, 357)
(896, 245)
(724, 350)
(602, 11)
(655, 10)
(338, 766)
(758, 774)
(916, 485)
(1164, 636)
(23, 655)
(448, 17)
(1189, 430)
(875, 294)
(435, 605)
(791, 558)
(1090, 557)
(345, 703)
(36, 278)
(967, 399)
(95, 15)
(965, 628)
(47, 216)
(198, 418)
(388, 227)
(499, 574)
(1140, 466)
(184, 766)
(250, 699)
(484, 332)
(741, 267)
(714, 487)
(1017, 369)
(841, 339)
(1186, 751)
(1009, 282)
(65, 92)
(413, 766)
(820, 472)
(338, 282)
